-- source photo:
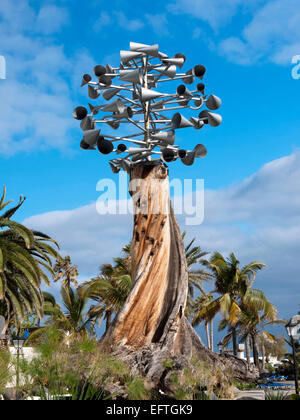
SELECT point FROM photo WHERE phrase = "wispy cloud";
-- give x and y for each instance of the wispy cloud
(38, 103)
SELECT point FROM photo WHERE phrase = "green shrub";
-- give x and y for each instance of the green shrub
(4, 368)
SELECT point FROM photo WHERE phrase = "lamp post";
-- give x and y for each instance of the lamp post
(18, 343)
(293, 330)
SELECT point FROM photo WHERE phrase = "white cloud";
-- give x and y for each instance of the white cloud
(273, 34)
(216, 13)
(103, 21)
(35, 96)
(258, 220)
(131, 25)
(50, 19)
(159, 23)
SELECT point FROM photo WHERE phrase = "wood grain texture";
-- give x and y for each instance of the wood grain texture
(155, 307)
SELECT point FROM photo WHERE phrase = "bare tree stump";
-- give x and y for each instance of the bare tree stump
(151, 326)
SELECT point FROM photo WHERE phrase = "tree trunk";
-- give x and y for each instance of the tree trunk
(234, 342)
(211, 335)
(263, 354)
(248, 350)
(207, 335)
(255, 351)
(151, 327)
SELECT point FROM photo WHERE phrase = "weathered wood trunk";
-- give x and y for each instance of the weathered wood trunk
(151, 326)
(154, 310)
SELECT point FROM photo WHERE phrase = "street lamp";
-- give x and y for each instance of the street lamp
(221, 347)
(18, 343)
(293, 330)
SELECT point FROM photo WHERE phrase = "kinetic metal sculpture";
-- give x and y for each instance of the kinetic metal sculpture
(136, 103)
(152, 320)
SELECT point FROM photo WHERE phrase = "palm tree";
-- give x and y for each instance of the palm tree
(194, 255)
(231, 283)
(24, 254)
(257, 312)
(66, 272)
(201, 302)
(109, 289)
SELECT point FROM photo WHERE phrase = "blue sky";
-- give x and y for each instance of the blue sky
(252, 170)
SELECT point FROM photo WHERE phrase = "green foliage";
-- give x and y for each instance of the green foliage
(279, 395)
(4, 368)
(199, 381)
(24, 256)
(79, 371)
(295, 397)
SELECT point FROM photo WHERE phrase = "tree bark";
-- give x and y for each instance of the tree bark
(155, 307)
(151, 327)
(248, 350)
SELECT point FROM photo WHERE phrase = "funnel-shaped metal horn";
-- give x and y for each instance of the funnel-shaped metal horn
(169, 71)
(110, 93)
(199, 71)
(182, 153)
(80, 113)
(115, 168)
(183, 91)
(169, 155)
(93, 92)
(189, 77)
(127, 113)
(99, 70)
(105, 80)
(86, 78)
(203, 116)
(126, 56)
(116, 106)
(121, 148)
(199, 102)
(148, 94)
(87, 124)
(200, 151)
(133, 150)
(144, 48)
(214, 119)
(179, 62)
(213, 102)
(179, 121)
(114, 124)
(133, 76)
(197, 123)
(166, 137)
(90, 139)
(104, 146)
(201, 88)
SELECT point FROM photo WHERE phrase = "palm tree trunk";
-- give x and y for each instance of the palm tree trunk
(263, 353)
(248, 350)
(108, 316)
(234, 341)
(255, 351)
(207, 334)
(211, 335)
